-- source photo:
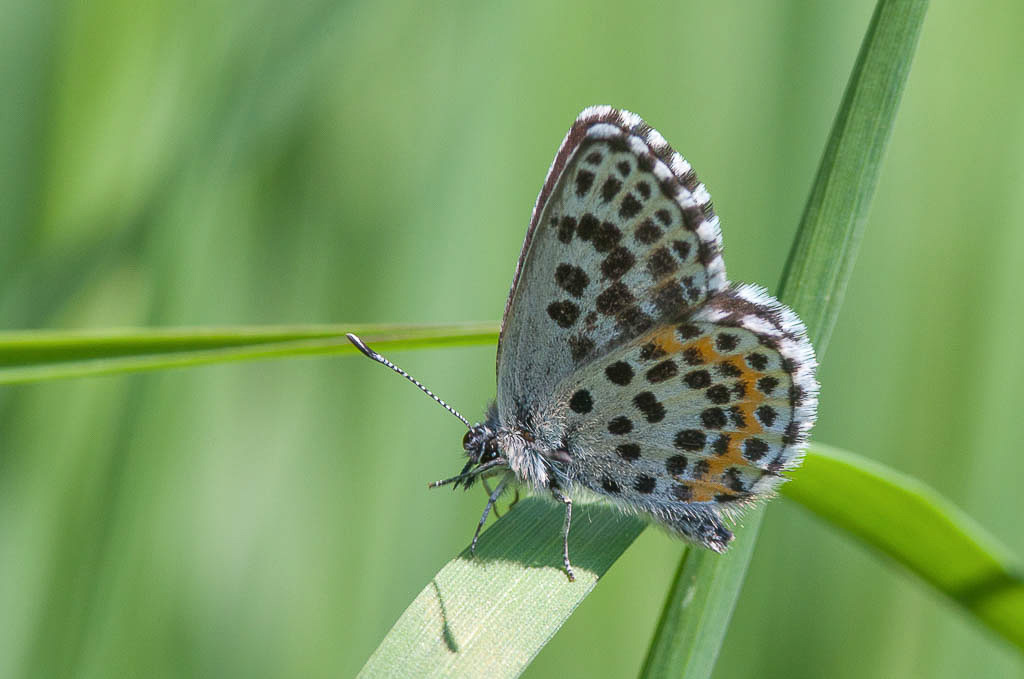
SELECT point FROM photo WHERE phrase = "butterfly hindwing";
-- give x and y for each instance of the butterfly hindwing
(623, 239)
(701, 414)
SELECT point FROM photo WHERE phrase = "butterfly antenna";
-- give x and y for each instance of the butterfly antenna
(370, 353)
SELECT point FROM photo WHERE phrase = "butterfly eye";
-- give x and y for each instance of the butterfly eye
(467, 440)
(490, 451)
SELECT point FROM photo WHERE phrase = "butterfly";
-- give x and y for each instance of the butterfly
(628, 365)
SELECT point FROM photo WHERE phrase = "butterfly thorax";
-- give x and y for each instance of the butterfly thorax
(533, 456)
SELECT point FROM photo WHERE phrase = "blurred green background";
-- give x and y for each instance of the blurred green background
(239, 161)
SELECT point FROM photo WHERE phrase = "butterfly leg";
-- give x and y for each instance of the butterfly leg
(487, 510)
(512, 504)
(487, 487)
(565, 530)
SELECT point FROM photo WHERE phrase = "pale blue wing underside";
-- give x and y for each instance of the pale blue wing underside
(709, 411)
(623, 238)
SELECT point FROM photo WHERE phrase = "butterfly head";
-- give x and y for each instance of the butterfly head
(480, 444)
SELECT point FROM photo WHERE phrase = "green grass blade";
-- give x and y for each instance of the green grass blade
(697, 610)
(813, 283)
(821, 261)
(912, 524)
(37, 355)
(491, 615)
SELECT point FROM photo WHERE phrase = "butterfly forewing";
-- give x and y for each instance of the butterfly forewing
(623, 240)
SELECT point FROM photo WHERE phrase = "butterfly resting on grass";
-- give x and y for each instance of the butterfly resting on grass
(628, 365)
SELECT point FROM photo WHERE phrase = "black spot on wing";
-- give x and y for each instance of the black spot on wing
(726, 342)
(614, 299)
(669, 298)
(682, 249)
(581, 402)
(610, 187)
(697, 379)
(563, 313)
(630, 206)
(676, 465)
(644, 484)
(690, 439)
(566, 228)
(661, 263)
(754, 449)
(661, 372)
(617, 263)
(647, 233)
(757, 361)
(766, 414)
(632, 321)
(584, 180)
(619, 373)
(649, 405)
(620, 425)
(688, 331)
(572, 279)
(728, 369)
(606, 237)
(718, 394)
(628, 452)
(766, 385)
(713, 418)
(588, 226)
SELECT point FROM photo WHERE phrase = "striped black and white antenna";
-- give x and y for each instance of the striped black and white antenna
(370, 353)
